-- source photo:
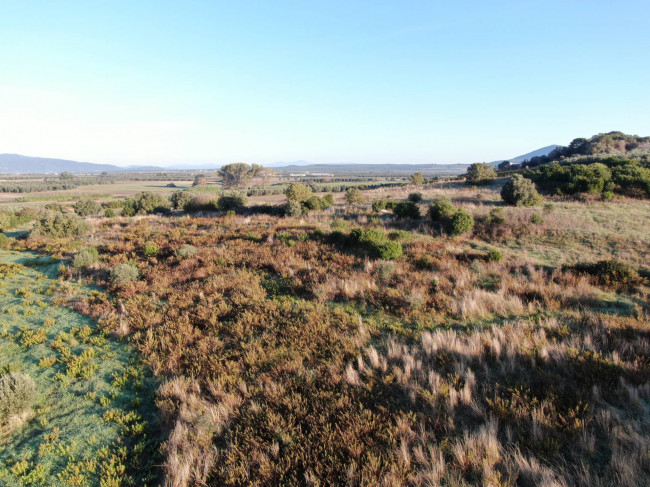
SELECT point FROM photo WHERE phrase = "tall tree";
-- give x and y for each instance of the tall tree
(238, 174)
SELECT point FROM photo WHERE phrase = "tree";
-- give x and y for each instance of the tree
(519, 191)
(354, 196)
(200, 180)
(298, 192)
(417, 178)
(504, 166)
(238, 174)
(480, 173)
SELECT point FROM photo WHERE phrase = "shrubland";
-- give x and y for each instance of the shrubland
(444, 339)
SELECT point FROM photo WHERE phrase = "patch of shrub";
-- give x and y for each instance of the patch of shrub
(607, 195)
(354, 196)
(150, 250)
(415, 197)
(378, 205)
(17, 394)
(294, 208)
(519, 191)
(298, 192)
(85, 258)
(400, 235)
(109, 212)
(494, 255)
(607, 272)
(441, 208)
(123, 273)
(200, 203)
(87, 207)
(179, 199)
(232, 202)
(406, 209)
(59, 225)
(375, 242)
(480, 173)
(4, 241)
(536, 219)
(461, 222)
(146, 203)
(186, 251)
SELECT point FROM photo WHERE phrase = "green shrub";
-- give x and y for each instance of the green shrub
(109, 212)
(389, 250)
(417, 178)
(201, 202)
(519, 191)
(461, 222)
(494, 255)
(385, 270)
(17, 394)
(441, 208)
(85, 258)
(415, 197)
(480, 173)
(378, 205)
(58, 225)
(400, 236)
(298, 192)
(294, 208)
(316, 203)
(406, 209)
(354, 196)
(179, 199)
(328, 200)
(496, 216)
(123, 273)
(4, 241)
(607, 195)
(87, 207)
(186, 251)
(150, 250)
(232, 202)
(536, 219)
(607, 272)
(146, 203)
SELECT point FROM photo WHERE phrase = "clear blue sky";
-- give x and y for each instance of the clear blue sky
(365, 81)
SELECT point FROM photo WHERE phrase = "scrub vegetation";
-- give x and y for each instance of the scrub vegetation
(434, 333)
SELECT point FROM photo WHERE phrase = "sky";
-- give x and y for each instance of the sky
(191, 82)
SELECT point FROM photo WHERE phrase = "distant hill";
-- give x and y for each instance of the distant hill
(17, 164)
(536, 153)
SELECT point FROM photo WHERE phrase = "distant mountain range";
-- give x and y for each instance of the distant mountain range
(17, 164)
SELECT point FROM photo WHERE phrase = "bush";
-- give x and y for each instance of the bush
(406, 209)
(375, 242)
(200, 203)
(4, 241)
(85, 258)
(415, 197)
(87, 207)
(17, 394)
(400, 235)
(494, 255)
(354, 196)
(417, 178)
(536, 219)
(389, 250)
(179, 199)
(150, 250)
(385, 270)
(109, 212)
(186, 251)
(607, 272)
(441, 208)
(123, 273)
(519, 191)
(328, 199)
(298, 192)
(232, 202)
(607, 195)
(378, 205)
(461, 222)
(58, 225)
(480, 173)
(146, 203)
(294, 208)
(316, 203)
